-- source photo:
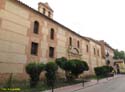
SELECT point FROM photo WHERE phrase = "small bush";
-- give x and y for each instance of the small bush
(103, 71)
(34, 70)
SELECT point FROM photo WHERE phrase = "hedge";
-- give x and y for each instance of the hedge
(103, 71)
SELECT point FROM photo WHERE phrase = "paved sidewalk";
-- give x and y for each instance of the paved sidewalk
(79, 86)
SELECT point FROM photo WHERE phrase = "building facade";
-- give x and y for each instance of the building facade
(107, 52)
(27, 35)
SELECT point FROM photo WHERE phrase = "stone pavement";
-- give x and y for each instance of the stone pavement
(79, 86)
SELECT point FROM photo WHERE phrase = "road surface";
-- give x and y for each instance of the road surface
(114, 85)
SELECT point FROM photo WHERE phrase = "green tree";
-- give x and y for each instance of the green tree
(119, 54)
(72, 67)
(78, 67)
(64, 65)
(34, 69)
(51, 69)
(61, 62)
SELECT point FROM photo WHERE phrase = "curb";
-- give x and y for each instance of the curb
(105, 80)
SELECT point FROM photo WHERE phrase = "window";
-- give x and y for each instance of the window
(51, 52)
(36, 27)
(70, 41)
(78, 45)
(94, 52)
(52, 34)
(49, 14)
(44, 10)
(34, 48)
(98, 52)
(87, 48)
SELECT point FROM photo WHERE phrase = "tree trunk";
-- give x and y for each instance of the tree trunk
(52, 88)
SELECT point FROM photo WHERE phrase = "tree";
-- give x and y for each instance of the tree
(34, 70)
(119, 54)
(61, 62)
(72, 67)
(51, 69)
(64, 65)
(86, 68)
(78, 67)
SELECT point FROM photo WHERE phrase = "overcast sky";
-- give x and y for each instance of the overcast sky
(99, 19)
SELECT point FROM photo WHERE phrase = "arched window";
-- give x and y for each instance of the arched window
(94, 51)
(98, 52)
(78, 45)
(49, 14)
(44, 11)
(70, 41)
(87, 48)
(36, 27)
(52, 34)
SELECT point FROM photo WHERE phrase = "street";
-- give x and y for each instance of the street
(114, 85)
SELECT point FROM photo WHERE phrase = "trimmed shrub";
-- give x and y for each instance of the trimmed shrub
(61, 62)
(34, 70)
(86, 67)
(77, 67)
(51, 69)
(64, 65)
(103, 71)
(72, 67)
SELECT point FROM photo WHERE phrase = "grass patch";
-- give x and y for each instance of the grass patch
(25, 86)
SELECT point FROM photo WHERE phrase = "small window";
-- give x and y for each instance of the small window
(78, 45)
(34, 48)
(70, 41)
(94, 51)
(51, 52)
(87, 48)
(98, 52)
(44, 11)
(36, 27)
(52, 34)
(49, 14)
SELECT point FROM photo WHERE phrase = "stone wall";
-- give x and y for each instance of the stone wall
(13, 37)
(16, 36)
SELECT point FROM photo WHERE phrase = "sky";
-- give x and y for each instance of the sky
(98, 19)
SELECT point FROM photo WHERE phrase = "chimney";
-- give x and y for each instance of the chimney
(45, 9)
